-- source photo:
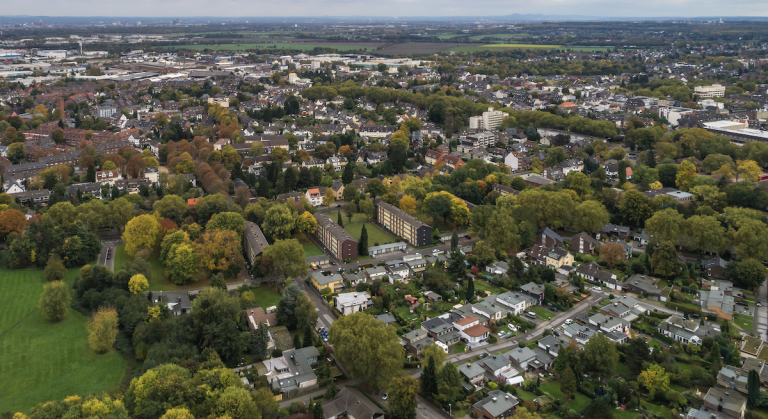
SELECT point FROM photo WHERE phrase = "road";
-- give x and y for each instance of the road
(761, 313)
(103, 260)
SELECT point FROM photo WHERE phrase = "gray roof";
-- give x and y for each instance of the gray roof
(407, 218)
(255, 238)
(354, 403)
(497, 403)
(386, 318)
(471, 370)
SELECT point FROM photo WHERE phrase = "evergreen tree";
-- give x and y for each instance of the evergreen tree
(429, 378)
(217, 281)
(339, 221)
(331, 391)
(753, 386)
(470, 290)
(317, 411)
(115, 192)
(307, 336)
(90, 175)
(717, 362)
(650, 159)
(568, 383)
(348, 175)
(362, 245)
(259, 342)
(296, 341)
(454, 240)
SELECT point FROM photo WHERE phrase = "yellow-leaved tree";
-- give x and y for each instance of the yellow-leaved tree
(140, 233)
(102, 329)
(138, 284)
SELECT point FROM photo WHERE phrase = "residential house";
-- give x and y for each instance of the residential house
(497, 405)
(256, 316)
(751, 346)
(472, 332)
(292, 372)
(334, 281)
(680, 330)
(314, 197)
(726, 402)
(178, 302)
(351, 403)
(558, 258)
(534, 290)
(417, 340)
(715, 267)
(584, 244)
(643, 285)
(352, 302)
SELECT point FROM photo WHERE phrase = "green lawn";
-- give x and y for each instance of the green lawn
(42, 361)
(499, 36)
(498, 47)
(579, 400)
(375, 234)
(356, 218)
(543, 313)
(744, 322)
(443, 226)
(157, 282)
(481, 285)
(310, 249)
(525, 395)
(265, 296)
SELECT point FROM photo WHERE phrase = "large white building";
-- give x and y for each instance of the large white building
(705, 92)
(352, 302)
(489, 120)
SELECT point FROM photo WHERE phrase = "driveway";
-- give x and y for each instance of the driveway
(105, 245)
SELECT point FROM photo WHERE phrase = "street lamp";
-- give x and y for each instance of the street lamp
(449, 410)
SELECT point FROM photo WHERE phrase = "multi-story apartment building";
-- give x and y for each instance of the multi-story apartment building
(335, 238)
(404, 225)
(254, 241)
(489, 120)
(706, 92)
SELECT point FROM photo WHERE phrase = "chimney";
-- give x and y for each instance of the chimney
(494, 400)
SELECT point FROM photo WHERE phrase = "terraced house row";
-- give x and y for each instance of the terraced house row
(404, 225)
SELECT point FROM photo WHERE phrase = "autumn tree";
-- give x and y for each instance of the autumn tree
(287, 257)
(140, 233)
(138, 284)
(230, 221)
(665, 225)
(102, 329)
(408, 204)
(12, 221)
(55, 300)
(278, 222)
(306, 223)
(329, 198)
(664, 260)
(219, 251)
(54, 269)
(402, 397)
(612, 253)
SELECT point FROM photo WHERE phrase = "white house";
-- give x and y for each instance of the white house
(516, 303)
(352, 302)
(471, 330)
(314, 197)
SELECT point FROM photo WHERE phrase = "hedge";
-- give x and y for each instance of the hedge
(659, 315)
(667, 340)
(683, 308)
(412, 364)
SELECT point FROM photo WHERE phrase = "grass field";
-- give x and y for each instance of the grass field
(265, 296)
(42, 361)
(356, 218)
(499, 36)
(275, 45)
(543, 313)
(158, 282)
(310, 249)
(744, 322)
(481, 285)
(375, 234)
(579, 400)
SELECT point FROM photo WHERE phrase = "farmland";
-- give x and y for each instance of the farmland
(40, 360)
(241, 46)
(421, 48)
(497, 47)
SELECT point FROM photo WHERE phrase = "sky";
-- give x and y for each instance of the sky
(387, 8)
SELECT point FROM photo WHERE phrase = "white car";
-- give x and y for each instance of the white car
(384, 397)
(597, 288)
(512, 327)
(568, 321)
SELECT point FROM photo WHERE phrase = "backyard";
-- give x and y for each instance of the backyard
(543, 313)
(40, 360)
(375, 234)
(310, 249)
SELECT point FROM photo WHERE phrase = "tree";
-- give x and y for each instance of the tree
(408, 204)
(55, 300)
(362, 244)
(219, 251)
(437, 205)
(750, 273)
(590, 216)
(306, 223)
(177, 413)
(715, 357)
(449, 387)
(402, 397)
(665, 225)
(748, 170)
(454, 240)
(230, 221)
(600, 355)
(685, 174)
(331, 391)
(428, 379)
(236, 403)
(350, 209)
(296, 341)
(753, 386)
(367, 207)
(664, 260)
(140, 233)
(102, 329)
(172, 207)
(483, 254)
(612, 253)
(470, 290)
(339, 221)
(568, 383)
(636, 351)
(501, 232)
(749, 239)
(278, 222)
(305, 312)
(432, 351)
(259, 342)
(12, 221)
(216, 316)
(182, 264)
(329, 198)
(348, 175)
(597, 409)
(307, 338)
(368, 348)
(16, 153)
(635, 207)
(138, 284)
(375, 188)
(54, 269)
(287, 256)
(655, 379)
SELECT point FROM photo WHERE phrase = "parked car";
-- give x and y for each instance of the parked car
(742, 303)
(568, 321)
(758, 304)
(512, 327)
(384, 397)
(531, 314)
(597, 288)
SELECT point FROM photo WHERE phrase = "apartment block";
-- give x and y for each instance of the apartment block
(340, 243)
(404, 225)
(254, 241)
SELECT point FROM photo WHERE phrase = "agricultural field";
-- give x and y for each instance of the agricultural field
(40, 360)
(497, 47)
(241, 46)
(499, 36)
(422, 48)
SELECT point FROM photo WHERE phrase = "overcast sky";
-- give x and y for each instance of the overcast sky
(387, 8)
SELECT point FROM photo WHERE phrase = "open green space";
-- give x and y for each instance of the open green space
(543, 313)
(40, 360)
(443, 226)
(481, 285)
(497, 47)
(265, 296)
(157, 280)
(744, 322)
(375, 234)
(499, 36)
(272, 45)
(310, 249)
(579, 400)
(356, 218)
